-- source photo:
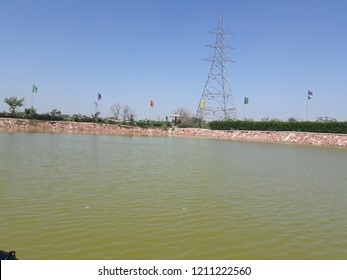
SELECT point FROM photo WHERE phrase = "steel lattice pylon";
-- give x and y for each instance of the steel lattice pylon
(216, 102)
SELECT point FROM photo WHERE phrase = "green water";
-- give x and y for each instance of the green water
(116, 197)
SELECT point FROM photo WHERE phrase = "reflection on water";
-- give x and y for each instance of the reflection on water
(119, 197)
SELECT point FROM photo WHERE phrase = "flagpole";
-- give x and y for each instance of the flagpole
(32, 98)
(309, 96)
(31, 105)
(96, 106)
(243, 113)
(245, 102)
(34, 90)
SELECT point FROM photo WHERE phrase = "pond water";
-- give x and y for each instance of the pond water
(69, 196)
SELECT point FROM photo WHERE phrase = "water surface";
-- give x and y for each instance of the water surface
(118, 197)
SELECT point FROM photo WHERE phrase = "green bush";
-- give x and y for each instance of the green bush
(6, 115)
(48, 117)
(153, 124)
(82, 118)
(321, 127)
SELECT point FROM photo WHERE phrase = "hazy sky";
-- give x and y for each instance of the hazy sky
(134, 51)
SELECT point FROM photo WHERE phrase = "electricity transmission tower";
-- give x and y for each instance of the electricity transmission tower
(216, 102)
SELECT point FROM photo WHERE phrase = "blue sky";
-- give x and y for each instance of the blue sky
(134, 51)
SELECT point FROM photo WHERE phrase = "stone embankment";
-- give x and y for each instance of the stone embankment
(291, 137)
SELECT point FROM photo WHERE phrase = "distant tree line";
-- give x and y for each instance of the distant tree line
(123, 114)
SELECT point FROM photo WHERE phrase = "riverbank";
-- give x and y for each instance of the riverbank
(290, 137)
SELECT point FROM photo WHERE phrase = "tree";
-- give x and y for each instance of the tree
(183, 112)
(96, 116)
(116, 110)
(30, 112)
(132, 116)
(326, 119)
(55, 113)
(267, 119)
(292, 119)
(127, 113)
(187, 118)
(13, 102)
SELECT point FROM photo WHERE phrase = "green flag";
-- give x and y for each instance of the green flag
(35, 89)
(245, 100)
